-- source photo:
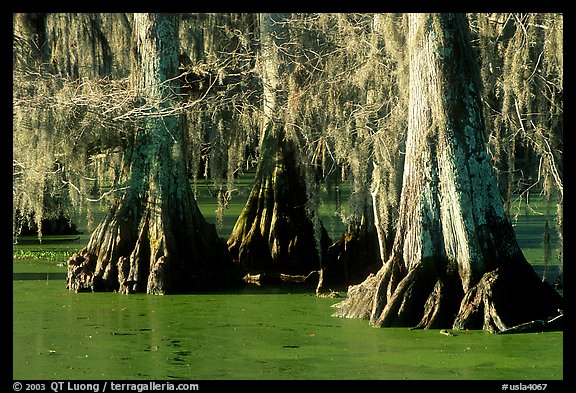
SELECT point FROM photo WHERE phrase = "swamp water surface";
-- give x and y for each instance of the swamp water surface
(249, 334)
(254, 334)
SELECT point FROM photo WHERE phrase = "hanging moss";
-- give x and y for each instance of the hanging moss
(522, 71)
(346, 75)
(452, 237)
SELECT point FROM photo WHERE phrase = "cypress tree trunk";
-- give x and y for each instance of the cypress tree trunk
(362, 248)
(154, 238)
(455, 260)
(274, 233)
(355, 255)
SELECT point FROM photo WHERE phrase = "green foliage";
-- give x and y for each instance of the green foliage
(44, 255)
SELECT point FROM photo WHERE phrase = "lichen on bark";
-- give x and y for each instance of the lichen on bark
(455, 261)
(154, 238)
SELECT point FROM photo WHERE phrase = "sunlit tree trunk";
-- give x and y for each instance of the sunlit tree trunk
(455, 260)
(154, 238)
(274, 232)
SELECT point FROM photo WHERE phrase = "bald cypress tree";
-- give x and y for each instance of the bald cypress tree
(275, 232)
(154, 238)
(455, 260)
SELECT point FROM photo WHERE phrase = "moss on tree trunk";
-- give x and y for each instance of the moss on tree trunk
(154, 238)
(455, 260)
(274, 232)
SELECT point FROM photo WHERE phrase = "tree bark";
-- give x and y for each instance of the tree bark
(455, 261)
(357, 254)
(154, 238)
(362, 249)
(275, 232)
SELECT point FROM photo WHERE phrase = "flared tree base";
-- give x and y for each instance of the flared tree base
(506, 298)
(158, 253)
(352, 258)
(275, 233)
(503, 299)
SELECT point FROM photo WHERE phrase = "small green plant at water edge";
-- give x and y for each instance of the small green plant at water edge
(56, 256)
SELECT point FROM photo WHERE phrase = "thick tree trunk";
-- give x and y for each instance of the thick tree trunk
(274, 232)
(155, 238)
(455, 260)
(364, 246)
(357, 254)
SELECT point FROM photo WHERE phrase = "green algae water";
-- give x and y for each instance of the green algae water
(255, 334)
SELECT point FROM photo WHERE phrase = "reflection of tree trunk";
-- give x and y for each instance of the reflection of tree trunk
(155, 238)
(274, 231)
(455, 260)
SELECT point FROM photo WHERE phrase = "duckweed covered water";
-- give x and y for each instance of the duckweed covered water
(249, 334)
(252, 334)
